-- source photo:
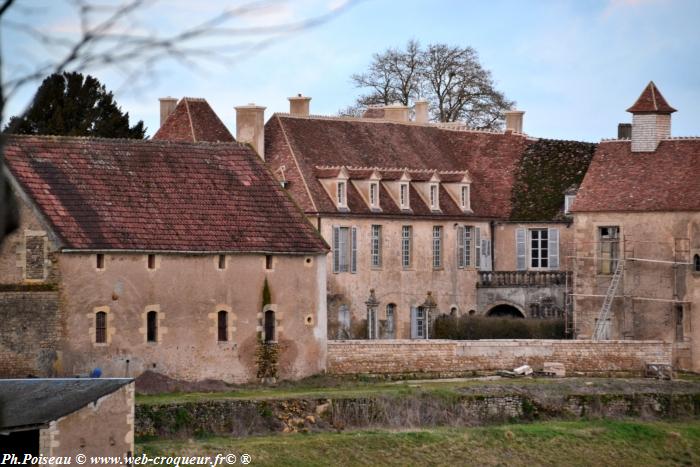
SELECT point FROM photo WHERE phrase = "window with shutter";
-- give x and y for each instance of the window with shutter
(539, 248)
(336, 249)
(353, 253)
(553, 248)
(467, 246)
(460, 246)
(520, 249)
(477, 247)
(485, 254)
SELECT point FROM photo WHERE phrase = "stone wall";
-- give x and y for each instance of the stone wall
(453, 357)
(29, 333)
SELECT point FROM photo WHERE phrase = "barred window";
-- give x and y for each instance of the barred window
(376, 246)
(437, 247)
(100, 327)
(406, 244)
(222, 324)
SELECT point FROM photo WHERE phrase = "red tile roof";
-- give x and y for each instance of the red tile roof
(299, 144)
(193, 120)
(619, 180)
(113, 194)
(651, 101)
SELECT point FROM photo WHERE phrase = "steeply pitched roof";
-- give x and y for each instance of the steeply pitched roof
(31, 402)
(299, 144)
(193, 120)
(112, 194)
(651, 101)
(619, 180)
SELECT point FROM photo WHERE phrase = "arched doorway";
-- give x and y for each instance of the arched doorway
(505, 311)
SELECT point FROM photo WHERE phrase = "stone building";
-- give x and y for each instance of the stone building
(154, 255)
(63, 417)
(412, 207)
(637, 216)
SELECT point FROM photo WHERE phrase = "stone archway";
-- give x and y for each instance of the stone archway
(505, 310)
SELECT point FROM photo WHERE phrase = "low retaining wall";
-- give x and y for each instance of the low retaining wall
(456, 357)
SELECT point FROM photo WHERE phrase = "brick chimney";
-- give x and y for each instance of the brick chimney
(167, 105)
(396, 113)
(421, 108)
(299, 105)
(514, 120)
(651, 119)
(250, 127)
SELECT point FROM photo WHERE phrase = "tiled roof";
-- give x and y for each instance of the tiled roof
(619, 180)
(651, 101)
(300, 144)
(193, 120)
(158, 196)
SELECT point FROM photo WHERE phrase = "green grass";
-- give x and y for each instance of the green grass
(615, 443)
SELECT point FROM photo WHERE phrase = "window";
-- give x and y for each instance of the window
(269, 326)
(100, 261)
(345, 249)
(372, 323)
(608, 249)
(539, 249)
(151, 261)
(222, 261)
(390, 315)
(100, 327)
(437, 247)
(696, 263)
(406, 240)
(403, 196)
(376, 246)
(568, 202)
(464, 198)
(152, 326)
(268, 262)
(342, 194)
(419, 325)
(464, 246)
(222, 325)
(434, 198)
(374, 194)
(679, 322)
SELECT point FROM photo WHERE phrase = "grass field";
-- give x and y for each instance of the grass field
(598, 442)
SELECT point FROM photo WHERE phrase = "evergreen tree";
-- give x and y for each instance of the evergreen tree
(70, 104)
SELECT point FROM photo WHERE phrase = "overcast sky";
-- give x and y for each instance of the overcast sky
(573, 66)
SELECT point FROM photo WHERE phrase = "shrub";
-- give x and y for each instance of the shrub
(483, 327)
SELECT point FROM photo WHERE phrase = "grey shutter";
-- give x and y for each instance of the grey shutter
(486, 255)
(414, 323)
(353, 252)
(477, 247)
(460, 246)
(553, 248)
(520, 250)
(336, 249)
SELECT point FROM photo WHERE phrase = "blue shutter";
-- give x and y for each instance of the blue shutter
(477, 247)
(460, 246)
(414, 323)
(353, 253)
(486, 254)
(520, 249)
(336, 249)
(553, 248)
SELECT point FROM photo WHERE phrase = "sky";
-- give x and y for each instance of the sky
(572, 66)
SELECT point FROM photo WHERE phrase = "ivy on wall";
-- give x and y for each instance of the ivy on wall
(547, 169)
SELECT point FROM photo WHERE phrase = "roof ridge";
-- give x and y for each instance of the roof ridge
(126, 140)
(392, 169)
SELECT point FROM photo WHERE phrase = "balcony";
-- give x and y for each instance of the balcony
(522, 278)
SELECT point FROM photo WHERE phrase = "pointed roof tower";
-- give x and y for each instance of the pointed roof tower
(193, 120)
(651, 101)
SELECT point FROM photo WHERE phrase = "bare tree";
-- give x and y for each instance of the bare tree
(457, 87)
(114, 34)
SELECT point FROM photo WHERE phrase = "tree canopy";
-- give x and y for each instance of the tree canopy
(70, 104)
(451, 78)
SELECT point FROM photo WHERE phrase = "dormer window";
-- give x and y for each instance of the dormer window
(568, 203)
(434, 198)
(465, 202)
(342, 195)
(374, 194)
(403, 196)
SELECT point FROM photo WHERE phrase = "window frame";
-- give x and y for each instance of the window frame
(341, 193)
(614, 242)
(434, 196)
(390, 328)
(100, 261)
(152, 326)
(269, 326)
(406, 246)
(542, 249)
(100, 327)
(376, 246)
(222, 328)
(344, 249)
(374, 195)
(568, 202)
(465, 197)
(404, 196)
(437, 246)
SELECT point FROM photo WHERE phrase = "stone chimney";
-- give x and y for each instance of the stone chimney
(396, 113)
(651, 119)
(514, 120)
(167, 105)
(299, 105)
(624, 130)
(250, 127)
(421, 108)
